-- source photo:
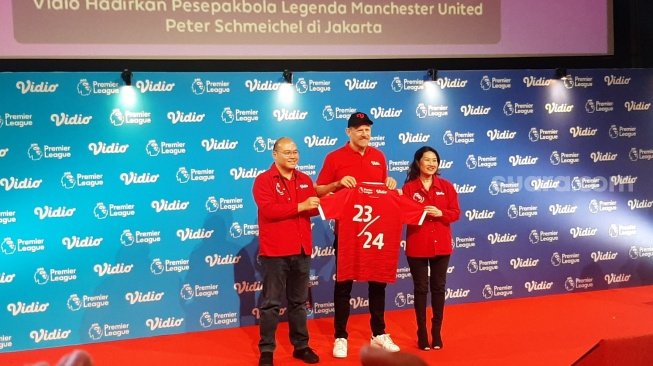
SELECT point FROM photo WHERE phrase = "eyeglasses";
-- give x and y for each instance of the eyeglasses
(288, 153)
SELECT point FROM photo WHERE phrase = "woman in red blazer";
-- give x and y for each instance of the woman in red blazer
(430, 245)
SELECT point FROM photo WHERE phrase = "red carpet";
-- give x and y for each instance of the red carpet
(551, 330)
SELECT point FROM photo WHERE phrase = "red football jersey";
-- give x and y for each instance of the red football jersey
(370, 221)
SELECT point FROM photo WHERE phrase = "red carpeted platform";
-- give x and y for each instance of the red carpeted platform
(551, 330)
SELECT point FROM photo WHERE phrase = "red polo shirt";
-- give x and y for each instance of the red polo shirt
(433, 237)
(368, 167)
(283, 231)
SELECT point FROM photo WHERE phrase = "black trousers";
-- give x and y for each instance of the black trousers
(342, 303)
(436, 282)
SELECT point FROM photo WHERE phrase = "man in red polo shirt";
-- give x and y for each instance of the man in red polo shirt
(286, 200)
(354, 163)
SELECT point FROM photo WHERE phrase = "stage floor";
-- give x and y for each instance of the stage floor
(549, 330)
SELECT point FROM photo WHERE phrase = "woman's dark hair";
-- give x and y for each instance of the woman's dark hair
(413, 170)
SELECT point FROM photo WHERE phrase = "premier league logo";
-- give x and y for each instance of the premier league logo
(259, 144)
(400, 300)
(68, 180)
(590, 107)
(569, 284)
(41, 276)
(8, 246)
(235, 230)
(328, 114)
(512, 211)
(152, 148)
(613, 231)
(84, 88)
(494, 188)
(555, 158)
(74, 303)
(421, 111)
(633, 253)
(568, 82)
(396, 85)
(95, 332)
(448, 138)
(556, 259)
(487, 292)
(100, 211)
(211, 204)
(117, 118)
(182, 175)
(472, 266)
(534, 237)
(632, 154)
(508, 109)
(576, 184)
(471, 162)
(301, 86)
(206, 320)
(157, 266)
(613, 132)
(418, 197)
(594, 206)
(34, 152)
(227, 115)
(486, 84)
(187, 292)
(533, 134)
(197, 87)
(127, 238)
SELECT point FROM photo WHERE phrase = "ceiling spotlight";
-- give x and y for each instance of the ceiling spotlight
(287, 76)
(561, 73)
(127, 77)
(432, 74)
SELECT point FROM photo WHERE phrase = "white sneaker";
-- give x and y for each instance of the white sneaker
(340, 348)
(385, 342)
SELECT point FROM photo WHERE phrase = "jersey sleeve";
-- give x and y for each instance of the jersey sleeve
(412, 213)
(332, 206)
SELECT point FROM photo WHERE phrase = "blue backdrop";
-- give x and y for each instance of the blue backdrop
(125, 218)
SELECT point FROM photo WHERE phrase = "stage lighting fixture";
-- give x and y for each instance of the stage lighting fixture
(433, 74)
(287, 76)
(561, 73)
(127, 77)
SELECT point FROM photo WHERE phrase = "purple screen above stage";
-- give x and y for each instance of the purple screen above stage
(303, 29)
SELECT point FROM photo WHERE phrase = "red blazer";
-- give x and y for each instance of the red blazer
(283, 231)
(433, 237)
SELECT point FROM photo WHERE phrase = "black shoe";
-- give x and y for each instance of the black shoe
(437, 343)
(423, 340)
(266, 359)
(306, 354)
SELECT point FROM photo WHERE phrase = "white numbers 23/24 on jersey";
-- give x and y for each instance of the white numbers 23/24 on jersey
(365, 215)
